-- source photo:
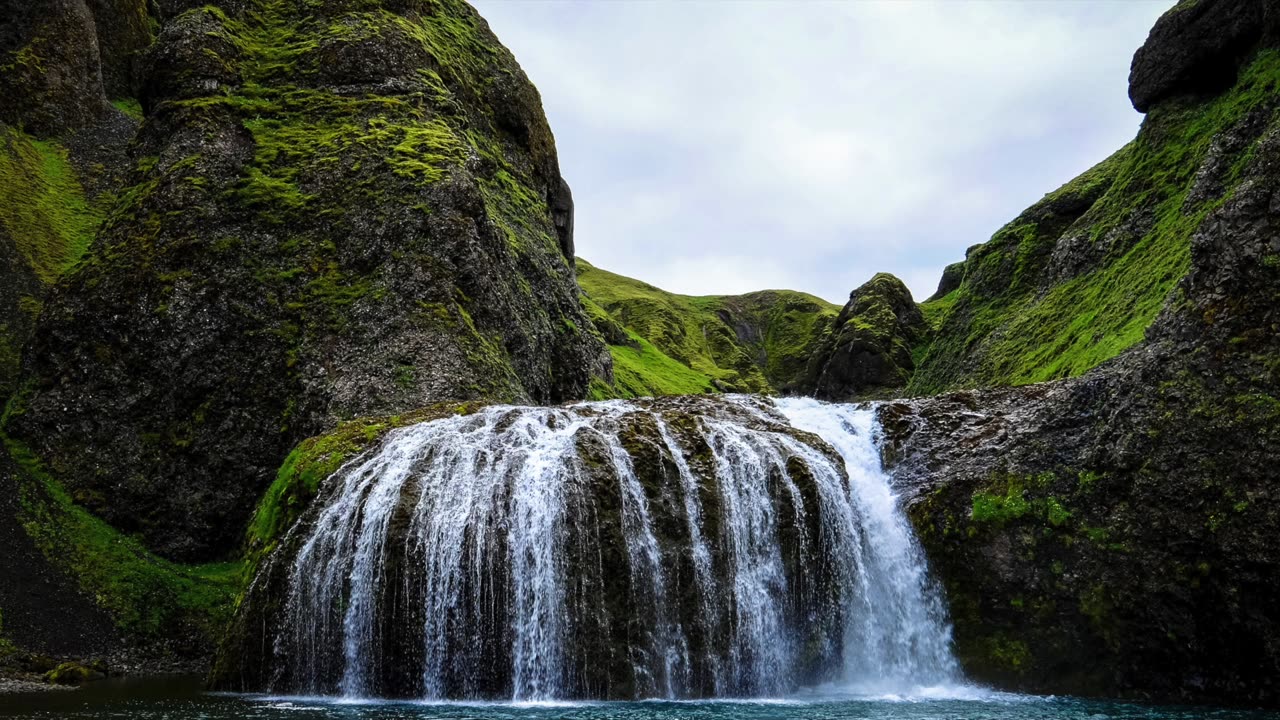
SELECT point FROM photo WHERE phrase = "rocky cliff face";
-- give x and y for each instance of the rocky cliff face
(61, 145)
(868, 351)
(332, 212)
(1079, 277)
(1116, 533)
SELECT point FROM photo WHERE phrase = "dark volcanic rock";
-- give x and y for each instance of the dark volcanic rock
(952, 276)
(1197, 47)
(1117, 533)
(868, 350)
(335, 212)
(50, 72)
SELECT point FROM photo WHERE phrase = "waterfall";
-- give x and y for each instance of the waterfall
(898, 635)
(657, 548)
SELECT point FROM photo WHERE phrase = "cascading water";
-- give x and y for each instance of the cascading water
(898, 634)
(698, 548)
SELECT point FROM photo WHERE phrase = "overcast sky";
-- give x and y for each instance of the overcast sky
(728, 146)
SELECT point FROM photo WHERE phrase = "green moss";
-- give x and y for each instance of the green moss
(150, 598)
(1007, 654)
(130, 107)
(1008, 324)
(1058, 515)
(679, 344)
(42, 205)
(999, 509)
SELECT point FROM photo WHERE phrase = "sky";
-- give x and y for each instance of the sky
(725, 146)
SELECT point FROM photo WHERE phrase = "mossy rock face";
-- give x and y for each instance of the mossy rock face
(1197, 47)
(337, 210)
(869, 350)
(73, 673)
(1116, 533)
(1080, 277)
(664, 343)
(55, 124)
(50, 68)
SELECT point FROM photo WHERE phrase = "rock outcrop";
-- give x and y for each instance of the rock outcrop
(952, 276)
(333, 212)
(868, 352)
(1116, 533)
(1198, 47)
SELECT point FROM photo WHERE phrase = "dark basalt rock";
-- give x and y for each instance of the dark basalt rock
(317, 228)
(952, 276)
(50, 72)
(868, 350)
(1117, 533)
(1197, 47)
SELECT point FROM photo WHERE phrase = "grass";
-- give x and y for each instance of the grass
(150, 598)
(310, 463)
(130, 107)
(1008, 324)
(680, 344)
(42, 205)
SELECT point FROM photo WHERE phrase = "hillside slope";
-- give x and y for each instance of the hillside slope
(1078, 277)
(1116, 533)
(332, 212)
(677, 344)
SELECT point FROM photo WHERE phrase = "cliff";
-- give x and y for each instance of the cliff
(1116, 533)
(225, 228)
(329, 214)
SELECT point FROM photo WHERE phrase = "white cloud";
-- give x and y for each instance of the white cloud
(719, 147)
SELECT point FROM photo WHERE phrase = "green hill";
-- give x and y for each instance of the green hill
(663, 343)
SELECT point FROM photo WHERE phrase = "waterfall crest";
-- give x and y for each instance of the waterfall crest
(658, 548)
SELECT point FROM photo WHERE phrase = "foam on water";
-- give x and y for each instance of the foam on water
(480, 508)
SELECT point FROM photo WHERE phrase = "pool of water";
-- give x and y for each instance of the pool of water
(183, 699)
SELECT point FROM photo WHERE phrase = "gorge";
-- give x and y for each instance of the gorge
(306, 392)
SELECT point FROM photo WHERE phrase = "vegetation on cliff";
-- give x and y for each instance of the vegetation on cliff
(333, 212)
(46, 223)
(1115, 533)
(1080, 276)
(665, 344)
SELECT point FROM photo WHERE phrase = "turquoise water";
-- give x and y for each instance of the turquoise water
(183, 700)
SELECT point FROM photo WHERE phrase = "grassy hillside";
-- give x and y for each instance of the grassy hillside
(1079, 276)
(666, 344)
(46, 224)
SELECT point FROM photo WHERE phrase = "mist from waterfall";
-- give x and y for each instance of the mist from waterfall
(612, 550)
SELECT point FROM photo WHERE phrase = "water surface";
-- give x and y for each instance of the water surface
(183, 700)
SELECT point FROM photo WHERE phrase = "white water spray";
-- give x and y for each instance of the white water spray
(595, 550)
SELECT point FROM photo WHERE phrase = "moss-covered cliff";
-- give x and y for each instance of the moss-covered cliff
(667, 344)
(334, 210)
(1080, 276)
(1116, 533)
(869, 351)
